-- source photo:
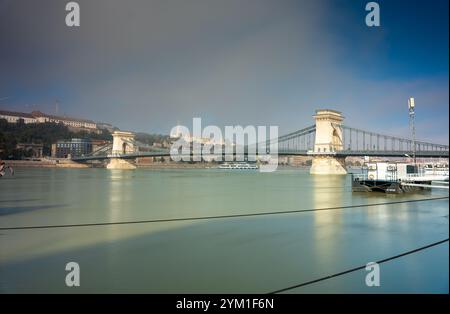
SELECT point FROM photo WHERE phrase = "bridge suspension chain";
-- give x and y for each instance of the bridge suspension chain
(371, 141)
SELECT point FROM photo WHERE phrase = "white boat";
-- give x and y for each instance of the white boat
(238, 166)
(439, 169)
(398, 177)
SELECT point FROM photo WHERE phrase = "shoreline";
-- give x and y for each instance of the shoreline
(46, 163)
(65, 163)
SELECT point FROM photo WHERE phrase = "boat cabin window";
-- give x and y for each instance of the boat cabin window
(411, 169)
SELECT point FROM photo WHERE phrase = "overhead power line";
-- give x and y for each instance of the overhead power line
(359, 267)
(218, 216)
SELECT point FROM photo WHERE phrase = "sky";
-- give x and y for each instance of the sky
(147, 65)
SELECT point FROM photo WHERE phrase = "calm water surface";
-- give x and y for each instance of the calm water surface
(248, 254)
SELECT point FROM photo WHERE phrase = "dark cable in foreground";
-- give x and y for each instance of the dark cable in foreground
(359, 268)
(218, 217)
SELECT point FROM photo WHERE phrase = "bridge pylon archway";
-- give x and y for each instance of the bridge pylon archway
(123, 143)
(328, 141)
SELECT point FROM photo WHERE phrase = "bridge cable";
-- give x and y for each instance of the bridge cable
(219, 216)
(359, 267)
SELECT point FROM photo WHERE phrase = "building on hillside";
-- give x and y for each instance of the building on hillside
(106, 126)
(14, 117)
(70, 122)
(74, 124)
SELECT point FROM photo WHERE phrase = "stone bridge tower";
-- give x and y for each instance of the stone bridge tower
(123, 143)
(328, 141)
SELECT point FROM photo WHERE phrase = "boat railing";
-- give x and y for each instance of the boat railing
(414, 175)
(359, 176)
(425, 176)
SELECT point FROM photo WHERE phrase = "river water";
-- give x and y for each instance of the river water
(250, 254)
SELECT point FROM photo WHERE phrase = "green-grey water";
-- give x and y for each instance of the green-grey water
(254, 254)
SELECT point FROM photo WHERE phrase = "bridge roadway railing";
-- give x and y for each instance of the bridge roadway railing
(370, 153)
(394, 153)
(355, 139)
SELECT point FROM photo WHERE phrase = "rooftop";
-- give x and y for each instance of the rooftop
(322, 111)
(41, 114)
(16, 114)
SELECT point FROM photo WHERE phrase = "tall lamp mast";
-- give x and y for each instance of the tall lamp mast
(412, 115)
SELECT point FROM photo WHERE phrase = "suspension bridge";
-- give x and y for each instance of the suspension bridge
(328, 141)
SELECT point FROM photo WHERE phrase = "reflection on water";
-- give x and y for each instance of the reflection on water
(327, 192)
(218, 255)
(118, 197)
(19, 209)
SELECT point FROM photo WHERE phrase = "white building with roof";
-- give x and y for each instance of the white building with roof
(14, 117)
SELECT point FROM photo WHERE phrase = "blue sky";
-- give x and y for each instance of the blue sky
(146, 65)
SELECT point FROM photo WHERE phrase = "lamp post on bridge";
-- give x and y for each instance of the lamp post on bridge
(412, 115)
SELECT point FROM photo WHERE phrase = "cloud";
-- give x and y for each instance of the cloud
(145, 65)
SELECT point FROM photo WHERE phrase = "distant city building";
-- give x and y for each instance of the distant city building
(34, 150)
(40, 117)
(14, 117)
(176, 134)
(71, 122)
(73, 148)
(106, 126)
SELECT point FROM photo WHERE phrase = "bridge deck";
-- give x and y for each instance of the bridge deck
(301, 143)
(422, 154)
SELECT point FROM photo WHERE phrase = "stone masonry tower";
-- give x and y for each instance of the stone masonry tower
(123, 143)
(328, 141)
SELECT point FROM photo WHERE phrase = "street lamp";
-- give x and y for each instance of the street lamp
(411, 106)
